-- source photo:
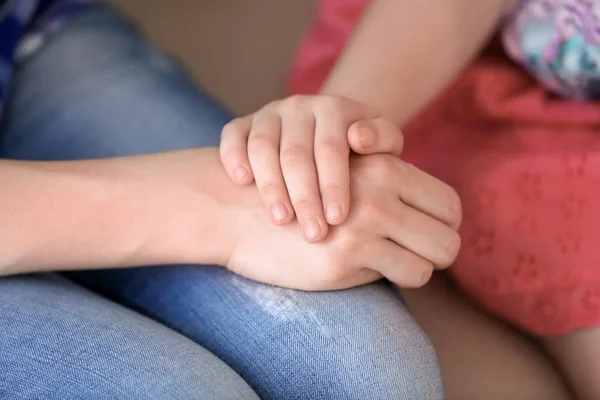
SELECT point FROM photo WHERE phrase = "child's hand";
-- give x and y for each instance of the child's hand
(297, 150)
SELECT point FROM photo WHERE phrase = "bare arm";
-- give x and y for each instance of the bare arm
(161, 208)
(404, 52)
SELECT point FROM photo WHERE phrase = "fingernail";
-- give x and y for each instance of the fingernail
(425, 277)
(311, 229)
(279, 211)
(239, 173)
(334, 212)
(366, 137)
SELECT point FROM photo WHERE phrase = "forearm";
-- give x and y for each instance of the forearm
(109, 213)
(404, 52)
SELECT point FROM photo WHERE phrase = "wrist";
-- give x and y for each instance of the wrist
(168, 208)
(189, 212)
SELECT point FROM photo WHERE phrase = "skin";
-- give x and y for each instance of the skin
(297, 151)
(110, 213)
(578, 354)
(481, 357)
(155, 209)
(394, 90)
(296, 148)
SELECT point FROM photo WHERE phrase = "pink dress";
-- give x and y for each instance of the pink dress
(522, 153)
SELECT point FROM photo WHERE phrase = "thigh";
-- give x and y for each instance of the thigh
(353, 344)
(59, 340)
(117, 95)
(97, 89)
(578, 355)
(480, 357)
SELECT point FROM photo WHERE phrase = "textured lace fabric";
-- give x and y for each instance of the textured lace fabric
(526, 164)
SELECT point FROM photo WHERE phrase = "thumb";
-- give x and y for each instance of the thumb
(375, 136)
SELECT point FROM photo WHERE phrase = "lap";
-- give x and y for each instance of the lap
(480, 357)
(354, 344)
(61, 340)
(578, 355)
(121, 96)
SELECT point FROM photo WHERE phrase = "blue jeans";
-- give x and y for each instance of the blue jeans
(98, 89)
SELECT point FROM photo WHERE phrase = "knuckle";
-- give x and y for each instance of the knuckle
(305, 206)
(348, 245)
(404, 173)
(229, 128)
(232, 128)
(451, 248)
(295, 154)
(331, 148)
(334, 271)
(384, 162)
(294, 103)
(331, 104)
(333, 191)
(402, 219)
(273, 105)
(270, 189)
(232, 156)
(260, 140)
(383, 168)
(407, 176)
(368, 209)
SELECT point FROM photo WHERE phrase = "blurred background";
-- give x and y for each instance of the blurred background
(240, 50)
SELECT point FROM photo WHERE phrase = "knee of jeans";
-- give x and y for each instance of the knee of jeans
(400, 365)
(355, 344)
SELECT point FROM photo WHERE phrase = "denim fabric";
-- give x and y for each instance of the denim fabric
(61, 341)
(40, 18)
(98, 89)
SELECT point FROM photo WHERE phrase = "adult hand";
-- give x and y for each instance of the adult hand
(402, 225)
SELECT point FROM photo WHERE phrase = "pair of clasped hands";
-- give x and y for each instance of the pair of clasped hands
(342, 208)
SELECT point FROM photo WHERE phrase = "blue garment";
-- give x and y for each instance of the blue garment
(97, 89)
(18, 17)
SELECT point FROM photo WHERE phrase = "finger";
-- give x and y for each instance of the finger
(299, 171)
(360, 277)
(263, 155)
(399, 265)
(332, 158)
(427, 194)
(234, 150)
(375, 136)
(421, 234)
